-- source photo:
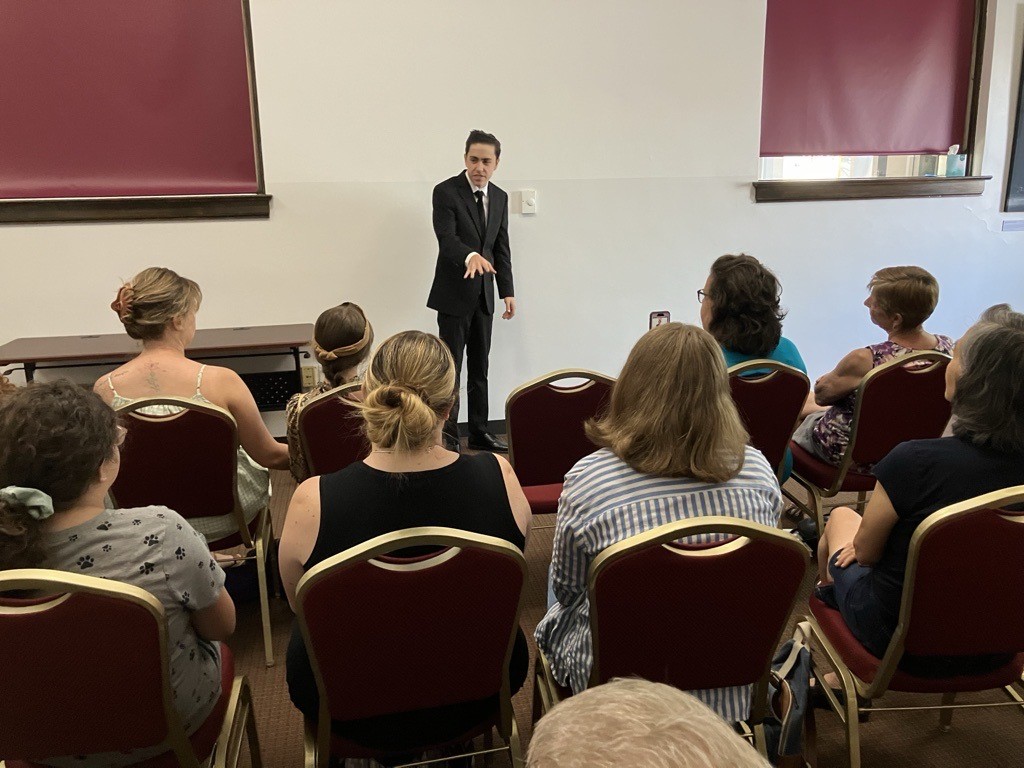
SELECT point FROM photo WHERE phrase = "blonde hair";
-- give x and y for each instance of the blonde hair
(910, 292)
(636, 722)
(152, 299)
(409, 387)
(671, 411)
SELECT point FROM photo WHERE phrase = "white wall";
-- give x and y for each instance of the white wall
(636, 122)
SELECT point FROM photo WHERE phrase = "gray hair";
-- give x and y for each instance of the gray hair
(988, 404)
(635, 722)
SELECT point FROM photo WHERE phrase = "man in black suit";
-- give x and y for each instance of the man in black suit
(471, 224)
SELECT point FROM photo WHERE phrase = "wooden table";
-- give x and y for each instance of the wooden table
(114, 348)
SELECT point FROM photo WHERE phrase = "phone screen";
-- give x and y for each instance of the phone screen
(660, 318)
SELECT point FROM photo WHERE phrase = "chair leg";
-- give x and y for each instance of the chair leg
(515, 749)
(946, 715)
(309, 744)
(261, 573)
(255, 756)
(852, 718)
(818, 508)
(862, 499)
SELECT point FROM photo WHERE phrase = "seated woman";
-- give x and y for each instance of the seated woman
(342, 340)
(866, 558)
(673, 447)
(59, 454)
(408, 480)
(901, 299)
(739, 306)
(159, 307)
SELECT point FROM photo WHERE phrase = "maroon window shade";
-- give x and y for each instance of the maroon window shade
(871, 77)
(125, 98)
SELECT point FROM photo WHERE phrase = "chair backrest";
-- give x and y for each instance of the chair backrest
(331, 431)
(85, 669)
(187, 461)
(964, 581)
(769, 396)
(901, 400)
(545, 423)
(716, 615)
(433, 631)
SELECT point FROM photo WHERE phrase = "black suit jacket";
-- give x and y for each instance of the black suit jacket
(460, 233)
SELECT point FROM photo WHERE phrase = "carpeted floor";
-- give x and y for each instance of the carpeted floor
(981, 737)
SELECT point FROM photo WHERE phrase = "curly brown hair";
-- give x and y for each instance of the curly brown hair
(745, 313)
(54, 438)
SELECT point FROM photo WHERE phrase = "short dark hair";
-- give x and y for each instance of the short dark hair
(54, 438)
(482, 137)
(745, 313)
(988, 403)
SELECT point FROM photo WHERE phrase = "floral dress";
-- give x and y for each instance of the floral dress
(832, 432)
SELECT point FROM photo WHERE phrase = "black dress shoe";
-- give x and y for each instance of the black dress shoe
(451, 444)
(485, 441)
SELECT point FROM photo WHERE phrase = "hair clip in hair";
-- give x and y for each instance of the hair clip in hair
(39, 504)
(122, 303)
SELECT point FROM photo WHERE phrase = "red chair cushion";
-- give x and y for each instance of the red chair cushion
(865, 666)
(203, 740)
(543, 498)
(823, 474)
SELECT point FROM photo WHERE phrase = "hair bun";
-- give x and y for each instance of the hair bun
(123, 302)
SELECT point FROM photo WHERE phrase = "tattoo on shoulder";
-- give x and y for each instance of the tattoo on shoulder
(151, 380)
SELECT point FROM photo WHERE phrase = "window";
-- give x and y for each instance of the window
(870, 91)
(123, 109)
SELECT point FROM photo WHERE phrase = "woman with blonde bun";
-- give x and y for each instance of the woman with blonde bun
(158, 307)
(408, 480)
(342, 341)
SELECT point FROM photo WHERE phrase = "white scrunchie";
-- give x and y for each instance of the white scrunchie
(40, 505)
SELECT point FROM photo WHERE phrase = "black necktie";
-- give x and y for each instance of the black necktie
(480, 212)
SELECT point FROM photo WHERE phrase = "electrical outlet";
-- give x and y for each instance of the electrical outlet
(308, 377)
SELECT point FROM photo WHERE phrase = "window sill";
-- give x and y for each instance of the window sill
(786, 191)
(35, 211)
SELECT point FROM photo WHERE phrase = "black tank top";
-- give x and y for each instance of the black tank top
(359, 503)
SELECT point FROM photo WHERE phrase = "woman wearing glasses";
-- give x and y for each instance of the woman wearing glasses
(739, 306)
(59, 455)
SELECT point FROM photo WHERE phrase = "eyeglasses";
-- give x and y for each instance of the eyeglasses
(701, 295)
(122, 433)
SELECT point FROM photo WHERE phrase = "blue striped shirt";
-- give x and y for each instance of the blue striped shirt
(604, 501)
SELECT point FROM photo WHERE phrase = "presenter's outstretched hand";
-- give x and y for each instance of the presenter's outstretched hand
(510, 308)
(478, 265)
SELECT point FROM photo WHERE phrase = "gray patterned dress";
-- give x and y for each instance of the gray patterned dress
(156, 549)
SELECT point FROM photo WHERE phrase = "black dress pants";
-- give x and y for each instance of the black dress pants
(470, 334)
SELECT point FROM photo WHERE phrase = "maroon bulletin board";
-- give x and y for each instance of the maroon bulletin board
(113, 100)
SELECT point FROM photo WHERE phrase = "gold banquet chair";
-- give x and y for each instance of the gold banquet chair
(961, 597)
(98, 678)
(188, 462)
(715, 621)
(901, 400)
(443, 628)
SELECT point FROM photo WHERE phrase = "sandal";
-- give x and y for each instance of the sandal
(238, 559)
(819, 700)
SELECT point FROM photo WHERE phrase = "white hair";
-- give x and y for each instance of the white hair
(635, 722)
